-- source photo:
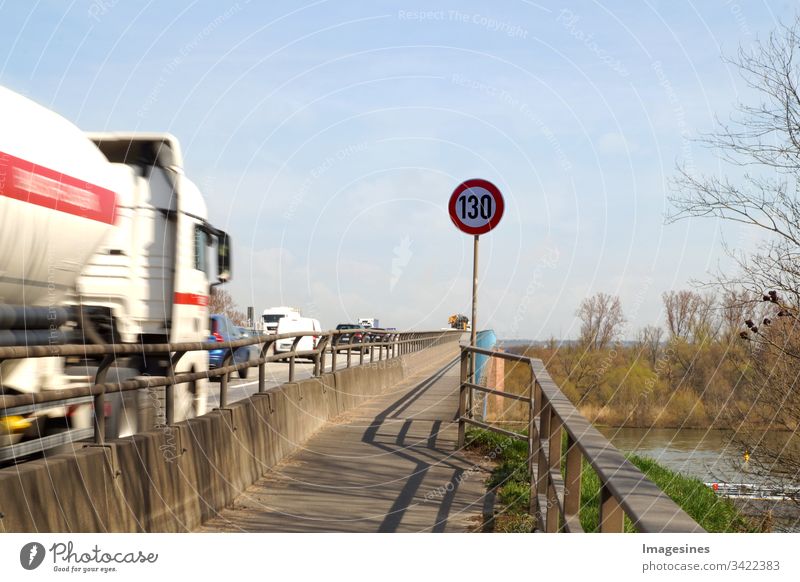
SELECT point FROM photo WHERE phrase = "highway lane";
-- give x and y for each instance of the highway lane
(277, 374)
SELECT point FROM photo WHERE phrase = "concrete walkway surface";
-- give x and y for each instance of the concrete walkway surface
(389, 465)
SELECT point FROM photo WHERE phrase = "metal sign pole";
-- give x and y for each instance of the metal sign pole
(474, 333)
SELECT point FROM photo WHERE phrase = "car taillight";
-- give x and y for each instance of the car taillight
(218, 336)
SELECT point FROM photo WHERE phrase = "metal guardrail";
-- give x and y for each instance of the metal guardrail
(556, 474)
(334, 343)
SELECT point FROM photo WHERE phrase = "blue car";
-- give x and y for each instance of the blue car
(224, 330)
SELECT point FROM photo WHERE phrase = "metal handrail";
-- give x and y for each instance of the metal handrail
(555, 497)
(399, 343)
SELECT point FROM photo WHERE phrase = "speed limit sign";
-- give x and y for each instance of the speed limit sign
(476, 206)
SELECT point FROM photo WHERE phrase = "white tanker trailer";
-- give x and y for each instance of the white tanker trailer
(103, 239)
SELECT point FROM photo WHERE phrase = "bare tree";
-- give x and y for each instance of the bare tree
(222, 302)
(601, 320)
(762, 144)
(690, 315)
(679, 307)
(649, 341)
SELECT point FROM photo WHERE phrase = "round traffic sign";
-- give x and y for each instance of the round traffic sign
(476, 206)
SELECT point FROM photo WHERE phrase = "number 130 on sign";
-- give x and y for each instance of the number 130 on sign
(476, 206)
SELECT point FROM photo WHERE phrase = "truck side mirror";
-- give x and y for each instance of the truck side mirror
(223, 257)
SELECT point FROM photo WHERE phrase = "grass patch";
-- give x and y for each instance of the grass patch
(512, 485)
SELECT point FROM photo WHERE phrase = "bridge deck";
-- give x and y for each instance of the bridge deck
(386, 466)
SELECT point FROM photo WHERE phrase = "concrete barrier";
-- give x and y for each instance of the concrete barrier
(171, 479)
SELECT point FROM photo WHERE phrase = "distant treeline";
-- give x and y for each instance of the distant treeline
(694, 372)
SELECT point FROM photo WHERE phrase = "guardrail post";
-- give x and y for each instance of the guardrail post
(262, 378)
(554, 456)
(349, 350)
(612, 518)
(100, 418)
(99, 402)
(572, 479)
(169, 389)
(334, 351)
(223, 384)
(262, 367)
(462, 398)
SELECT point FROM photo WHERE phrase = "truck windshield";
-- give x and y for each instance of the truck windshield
(273, 317)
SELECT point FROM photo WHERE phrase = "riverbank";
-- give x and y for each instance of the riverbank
(509, 481)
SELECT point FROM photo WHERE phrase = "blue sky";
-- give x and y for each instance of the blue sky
(328, 136)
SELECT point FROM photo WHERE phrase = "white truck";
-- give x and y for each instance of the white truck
(273, 315)
(369, 322)
(103, 239)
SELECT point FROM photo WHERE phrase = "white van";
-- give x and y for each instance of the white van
(295, 325)
(273, 315)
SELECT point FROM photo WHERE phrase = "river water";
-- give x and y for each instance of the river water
(705, 454)
(709, 456)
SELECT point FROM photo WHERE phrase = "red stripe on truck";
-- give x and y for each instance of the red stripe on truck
(191, 299)
(34, 184)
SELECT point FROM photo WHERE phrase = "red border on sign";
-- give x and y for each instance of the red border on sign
(498, 200)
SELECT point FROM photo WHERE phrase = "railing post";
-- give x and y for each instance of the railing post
(532, 438)
(612, 518)
(262, 368)
(462, 398)
(572, 479)
(223, 391)
(554, 456)
(469, 389)
(100, 418)
(169, 389)
(349, 350)
(99, 402)
(334, 352)
(361, 355)
(542, 463)
(262, 378)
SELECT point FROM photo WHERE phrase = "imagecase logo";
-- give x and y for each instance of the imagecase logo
(31, 555)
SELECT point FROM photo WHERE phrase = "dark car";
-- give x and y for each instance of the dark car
(358, 336)
(379, 337)
(224, 330)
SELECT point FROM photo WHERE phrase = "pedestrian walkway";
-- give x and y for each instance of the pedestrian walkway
(389, 465)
